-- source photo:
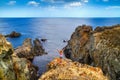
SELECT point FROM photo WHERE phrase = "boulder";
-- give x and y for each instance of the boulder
(65, 69)
(100, 48)
(13, 34)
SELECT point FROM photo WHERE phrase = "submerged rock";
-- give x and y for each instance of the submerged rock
(65, 69)
(13, 34)
(28, 50)
(99, 48)
(13, 67)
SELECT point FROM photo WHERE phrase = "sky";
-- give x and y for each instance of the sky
(59, 8)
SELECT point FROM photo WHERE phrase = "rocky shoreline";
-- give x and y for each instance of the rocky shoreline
(92, 55)
(16, 64)
(99, 47)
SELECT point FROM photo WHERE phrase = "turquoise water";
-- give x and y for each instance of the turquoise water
(54, 29)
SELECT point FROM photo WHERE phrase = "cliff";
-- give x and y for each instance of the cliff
(12, 67)
(65, 69)
(100, 48)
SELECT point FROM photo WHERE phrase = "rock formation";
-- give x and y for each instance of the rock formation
(13, 34)
(12, 67)
(28, 50)
(65, 69)
(100, 48)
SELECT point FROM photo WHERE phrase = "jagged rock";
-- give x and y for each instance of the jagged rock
(38, 49)
(99, 48)
(13, 34)
(28, 50)
(24, 69)
(6, 64)
(12, 67)
(65, 69)
(25, 51)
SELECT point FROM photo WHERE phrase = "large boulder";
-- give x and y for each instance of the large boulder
(13, 67)
(65, 69)
(99, 48)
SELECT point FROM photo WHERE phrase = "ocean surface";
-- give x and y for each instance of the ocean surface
(54, 29)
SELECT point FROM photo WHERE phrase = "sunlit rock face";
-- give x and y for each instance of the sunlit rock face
(12, 67)
(100, 48)
(65, 69)
(6, 63)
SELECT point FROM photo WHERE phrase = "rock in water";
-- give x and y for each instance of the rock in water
(6, 63)
(28, 50)
(25, 51)
(13, 34)
(43, 40)
(38, 49)
(12, 67)
(99, 48)
(65, 69)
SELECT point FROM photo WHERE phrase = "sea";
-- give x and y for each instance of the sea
(55, 30)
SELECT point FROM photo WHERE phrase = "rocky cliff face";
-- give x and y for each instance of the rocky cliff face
(12, 67)
(6, 62)
(100, 47)
(65, 69)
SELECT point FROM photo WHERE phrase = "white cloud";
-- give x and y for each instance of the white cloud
(86, 1)
(105, 0)
(52, 1)
(33, 3)
(73, 4)
(113, 7)
(11, 3)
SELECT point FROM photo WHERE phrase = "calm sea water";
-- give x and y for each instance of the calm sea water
(54, 29)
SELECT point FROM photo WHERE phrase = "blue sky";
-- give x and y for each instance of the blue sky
(59, 8)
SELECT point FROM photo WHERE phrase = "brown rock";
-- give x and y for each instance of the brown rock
(65, 69)
(13, 34)
(99, 48)
(28, 50)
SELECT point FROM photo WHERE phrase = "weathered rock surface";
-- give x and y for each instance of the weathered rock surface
(65, 69)
(28, 50)
(6, 63)
(99, 48)
(12, 67)
(13, 34)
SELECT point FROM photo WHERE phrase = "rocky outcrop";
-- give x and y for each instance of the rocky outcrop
(28, 50)
(12, 67)
(13, 34)
(65, 69)
(6, 63)
(100, 48)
